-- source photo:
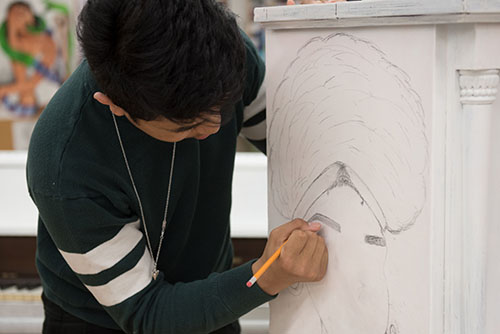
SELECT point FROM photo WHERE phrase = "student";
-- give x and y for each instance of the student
(130, 166)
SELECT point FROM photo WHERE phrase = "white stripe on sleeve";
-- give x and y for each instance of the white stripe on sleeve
(257, 105)
(256, 132)
(107, 254)
(127, 284)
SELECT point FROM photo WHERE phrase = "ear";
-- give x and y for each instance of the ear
(105, 100)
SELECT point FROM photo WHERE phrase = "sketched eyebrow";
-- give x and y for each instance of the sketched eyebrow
(375, 240)
(325, 220)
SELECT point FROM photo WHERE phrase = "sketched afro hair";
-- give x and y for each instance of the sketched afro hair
(341, 102)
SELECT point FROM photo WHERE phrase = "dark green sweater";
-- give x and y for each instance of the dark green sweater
(92, 255)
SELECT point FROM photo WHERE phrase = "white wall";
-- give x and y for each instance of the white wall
(18, 214)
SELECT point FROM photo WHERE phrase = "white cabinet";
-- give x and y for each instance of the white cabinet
(381, 116)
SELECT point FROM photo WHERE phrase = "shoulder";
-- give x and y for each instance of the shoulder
(255, 70)
(252, 112)
(54, 130)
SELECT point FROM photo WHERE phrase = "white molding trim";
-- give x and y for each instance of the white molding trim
(379, 12)
(478, 86)
(478, 90)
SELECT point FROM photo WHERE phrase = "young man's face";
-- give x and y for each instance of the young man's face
(166, 130)
(169, 131)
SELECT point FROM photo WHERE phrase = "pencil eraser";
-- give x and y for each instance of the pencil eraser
(251, 281)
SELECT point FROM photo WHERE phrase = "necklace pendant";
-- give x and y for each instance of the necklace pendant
(155, 273)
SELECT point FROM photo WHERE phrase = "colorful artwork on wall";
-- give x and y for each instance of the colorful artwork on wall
(37, 53)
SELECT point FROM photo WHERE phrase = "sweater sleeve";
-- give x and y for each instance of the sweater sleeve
(254, 98)
(107, 251)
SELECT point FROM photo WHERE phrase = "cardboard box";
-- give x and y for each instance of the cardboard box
(15, 134)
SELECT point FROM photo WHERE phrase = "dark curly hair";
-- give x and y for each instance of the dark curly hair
(178, 59)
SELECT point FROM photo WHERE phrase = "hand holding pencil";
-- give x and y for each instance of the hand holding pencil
(294, 253)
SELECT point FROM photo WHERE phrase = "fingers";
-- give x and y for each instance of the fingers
(301, 244)
(319, 260)
(309, 249)
(296, 243)
(313, 227)
(305, 256)
(283, 232)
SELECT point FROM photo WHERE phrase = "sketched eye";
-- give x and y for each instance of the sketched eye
(375, 240)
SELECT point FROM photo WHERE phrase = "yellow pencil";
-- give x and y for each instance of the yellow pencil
(266, 265)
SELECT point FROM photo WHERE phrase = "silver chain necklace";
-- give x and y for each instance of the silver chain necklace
(164, 222)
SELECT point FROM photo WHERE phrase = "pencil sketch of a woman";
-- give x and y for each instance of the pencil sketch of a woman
(347, 148)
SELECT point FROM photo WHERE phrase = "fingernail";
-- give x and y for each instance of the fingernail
(315, 225)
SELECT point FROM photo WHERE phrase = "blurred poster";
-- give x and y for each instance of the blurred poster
(38, 51)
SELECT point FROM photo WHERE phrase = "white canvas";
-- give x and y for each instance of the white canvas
(349, 145)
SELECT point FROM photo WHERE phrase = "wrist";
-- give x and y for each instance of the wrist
(268, 282)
